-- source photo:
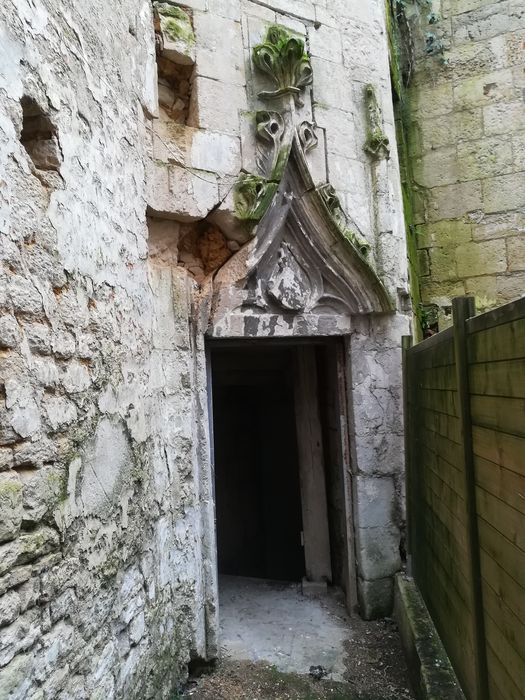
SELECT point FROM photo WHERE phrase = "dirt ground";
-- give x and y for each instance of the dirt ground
(376, 670)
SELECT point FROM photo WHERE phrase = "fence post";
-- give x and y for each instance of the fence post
(464, 308)
(406, 344)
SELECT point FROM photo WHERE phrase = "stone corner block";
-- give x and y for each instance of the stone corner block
(376, 598)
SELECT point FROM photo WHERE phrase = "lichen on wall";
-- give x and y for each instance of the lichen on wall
(107, 560)
(464, 134)
(100, 546)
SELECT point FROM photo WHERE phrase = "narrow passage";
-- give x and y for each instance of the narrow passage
(275, 642)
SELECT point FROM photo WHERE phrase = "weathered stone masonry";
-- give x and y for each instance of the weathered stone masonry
(117, 203)
(466, 130)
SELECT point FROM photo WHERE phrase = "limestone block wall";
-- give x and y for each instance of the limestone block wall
(116, 205)
(101, 589)
(347, 43)
(467, 134)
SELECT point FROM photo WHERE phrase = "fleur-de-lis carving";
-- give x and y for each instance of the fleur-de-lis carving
(283, 57)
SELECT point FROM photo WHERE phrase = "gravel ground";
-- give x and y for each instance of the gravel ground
(376, 670)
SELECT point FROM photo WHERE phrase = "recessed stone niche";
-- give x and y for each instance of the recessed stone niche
(39, 136)
(201, 248)
(175, 48)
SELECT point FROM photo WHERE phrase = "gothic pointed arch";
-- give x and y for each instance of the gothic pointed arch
(305, 270)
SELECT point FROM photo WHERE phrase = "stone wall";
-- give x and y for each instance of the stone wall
(107, 555)
(467, 135)
(100, 554)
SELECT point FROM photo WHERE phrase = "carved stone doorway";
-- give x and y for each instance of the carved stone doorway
(283, 501)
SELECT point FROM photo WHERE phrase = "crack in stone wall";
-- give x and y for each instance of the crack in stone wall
(107, 560)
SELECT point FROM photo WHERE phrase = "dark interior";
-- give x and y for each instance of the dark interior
(257, 488)
(257, 492)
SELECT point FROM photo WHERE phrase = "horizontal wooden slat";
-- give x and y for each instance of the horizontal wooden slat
(506, 520)
(513, 663)
(504, 342)
(447, 449)
(508, 486)
(506, 450)
(510, 592)
(513, 311)
(428, 457)
(453, 522)
(433, 346)
(505, 620)
(443, 377)
(446, 553)
(505, 415)
(506, 378)
(440, 423)
(451, 611)
(446, 494)
(501, 685)
(436, 400)
(435, 530)
(501, 550)
(451, 513)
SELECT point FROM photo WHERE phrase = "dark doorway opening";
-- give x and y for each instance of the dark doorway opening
(281, 459)
(257, 492)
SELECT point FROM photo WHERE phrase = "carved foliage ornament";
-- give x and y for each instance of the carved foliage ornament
(283, 57)
(271, 157)
(307, 135)
(377, 143)
(252, 196)
(333, 204)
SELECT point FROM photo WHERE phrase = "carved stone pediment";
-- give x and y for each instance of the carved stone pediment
(299, 275)
(305, 271)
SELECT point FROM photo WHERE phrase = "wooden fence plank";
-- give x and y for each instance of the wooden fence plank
(504, 342)
(501, 685)
(451, 515)
(436, 400)
(499, 548)
(508, 590)
(447, 449)
(513, 311)
(501, 483)
(451, 558)
(443, 378)
(505, 378)
(506, 520)
(506, 450)
(500, 414)
(447, 472)
(447, 426)
(508, 624)
(499, 644)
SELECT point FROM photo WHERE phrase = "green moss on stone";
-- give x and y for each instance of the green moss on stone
(175, 23)
(252, 197)
(10, 488)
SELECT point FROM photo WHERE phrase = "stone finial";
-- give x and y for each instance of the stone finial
(283, 57)
(377, 143)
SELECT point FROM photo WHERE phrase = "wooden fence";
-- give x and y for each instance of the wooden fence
(465, 447)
